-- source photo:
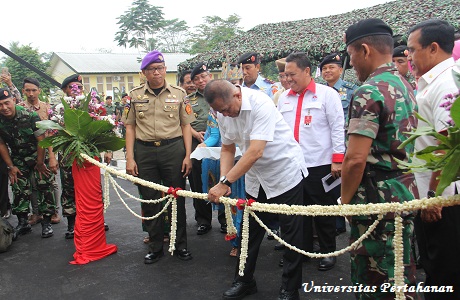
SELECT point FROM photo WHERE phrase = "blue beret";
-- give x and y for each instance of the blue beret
(152, 57)
(249, 58)
(198, 69)
(70, 79)
(400, 51)
(367, 27)
(4, 94)
(333, 58)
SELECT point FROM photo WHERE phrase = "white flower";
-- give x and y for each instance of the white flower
(80, 97)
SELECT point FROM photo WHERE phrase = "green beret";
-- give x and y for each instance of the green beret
(367, 27)
(333, 58)
(70, 79)
(249, 58)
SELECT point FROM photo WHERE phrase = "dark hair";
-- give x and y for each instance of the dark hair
(218, 89)
(301, 60)
(108, 97)
(382, 43)
(182, 75)
(31, 81)
(436, 31)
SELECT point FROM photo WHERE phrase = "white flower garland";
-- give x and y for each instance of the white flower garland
(231, 230)
(399, 257)
(244, 240)
(172, 238)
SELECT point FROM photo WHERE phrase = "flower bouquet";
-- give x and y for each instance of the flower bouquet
(445, 156)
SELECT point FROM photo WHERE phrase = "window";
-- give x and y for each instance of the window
(86, 84)
(100, 84)
(121, 83)
(108, 82)
(130, 83)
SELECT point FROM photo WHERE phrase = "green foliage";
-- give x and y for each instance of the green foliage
(31, 55)
(214, 31)
(81, 134)
(173, 36)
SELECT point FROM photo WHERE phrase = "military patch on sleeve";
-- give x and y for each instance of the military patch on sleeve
(188, 109)
(186, 100)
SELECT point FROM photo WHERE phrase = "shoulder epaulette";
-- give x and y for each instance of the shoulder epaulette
(268, 81)
(137, 87)
(349, 85)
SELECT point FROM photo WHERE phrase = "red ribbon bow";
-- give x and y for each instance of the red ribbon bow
(173, 191)
(240, 204)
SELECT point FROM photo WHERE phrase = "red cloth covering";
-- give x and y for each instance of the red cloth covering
(89, 239)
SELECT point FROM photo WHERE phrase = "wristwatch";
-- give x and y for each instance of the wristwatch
(225, 181)
(9, 168)
(431, 194)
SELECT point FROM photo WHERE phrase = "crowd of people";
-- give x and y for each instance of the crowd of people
(298, 138)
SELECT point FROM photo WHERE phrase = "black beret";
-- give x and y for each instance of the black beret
(198, 69)
(367, 27)
(249, 58)
(71, 78)
(400, 51)
(124, 95)
(333, 58)
(4, 94)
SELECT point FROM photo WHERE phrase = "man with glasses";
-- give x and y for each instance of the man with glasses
(251, 77)
(281, 64)
(185, 82)
(158, 148)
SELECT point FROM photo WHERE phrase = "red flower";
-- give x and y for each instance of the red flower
(229, 237)
(240, 204)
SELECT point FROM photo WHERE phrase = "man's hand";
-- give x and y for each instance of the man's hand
(131, 167)
(202, 145)
(108, 157)
(218, 191)
(186, 166)
(6, 78)
(432, 214)
(336, 169)
(199, 135)
(42, 170)
(53, 164)
(13, 173)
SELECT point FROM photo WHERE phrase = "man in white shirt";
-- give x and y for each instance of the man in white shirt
(274, 169)
(314, 113)
(430, 45)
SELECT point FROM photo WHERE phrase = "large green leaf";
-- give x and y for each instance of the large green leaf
(449, 173)
(96, 128)
(112, 143)
(76, 119)
(455, 112)
(48, 124)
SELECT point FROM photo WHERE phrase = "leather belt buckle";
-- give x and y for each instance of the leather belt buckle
(157, 143)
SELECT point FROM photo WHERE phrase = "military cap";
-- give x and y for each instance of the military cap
(367, 27)
(70, 79)
(4, 94)
(400, 51)
(249, 58)
(333, 58)
(198, 69)
(281, 64)
(154, 56)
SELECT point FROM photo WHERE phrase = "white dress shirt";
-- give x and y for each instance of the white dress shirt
(281, 166)
(433, 86)
(321, 127)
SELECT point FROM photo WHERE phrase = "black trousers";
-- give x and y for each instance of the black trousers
(439, 248)
(292, 228)
(313, 193)
(162, 165)
(4, 198)
(203, 209)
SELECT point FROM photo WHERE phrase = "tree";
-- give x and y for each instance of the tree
(173, 37)
(213, 31)
(31, 55)
(139, 25)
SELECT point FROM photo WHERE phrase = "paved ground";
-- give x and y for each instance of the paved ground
(37, 268)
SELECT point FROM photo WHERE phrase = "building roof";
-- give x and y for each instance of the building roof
(321, 36)
(93, 63)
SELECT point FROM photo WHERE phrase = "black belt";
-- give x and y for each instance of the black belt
(159, 143)
(381, 175)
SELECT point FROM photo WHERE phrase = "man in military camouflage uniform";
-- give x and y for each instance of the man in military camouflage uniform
(381, 112)
(203, 210)
(402, 64)
(252, 79)
(158, 148)
(19, 132)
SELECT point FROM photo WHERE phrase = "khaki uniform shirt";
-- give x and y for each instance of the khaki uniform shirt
(42, 108)
(200, 110)
(158, 117)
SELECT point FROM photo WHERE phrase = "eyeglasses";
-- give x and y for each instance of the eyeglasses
(152, 70)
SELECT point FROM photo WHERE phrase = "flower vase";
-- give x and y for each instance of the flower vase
(90, 241)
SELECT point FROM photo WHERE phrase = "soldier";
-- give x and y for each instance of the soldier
(31, 90)
(200, 76)
(109, 107)
(185, 82)
(331, 70)
(381, 114)
(158, 147)
(402, 64)
(281, 65)
(19, 132)
(252, 79)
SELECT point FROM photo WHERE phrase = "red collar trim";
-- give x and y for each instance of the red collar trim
(311, 87)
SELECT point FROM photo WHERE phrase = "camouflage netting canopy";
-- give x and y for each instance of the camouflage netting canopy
(321, 36)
